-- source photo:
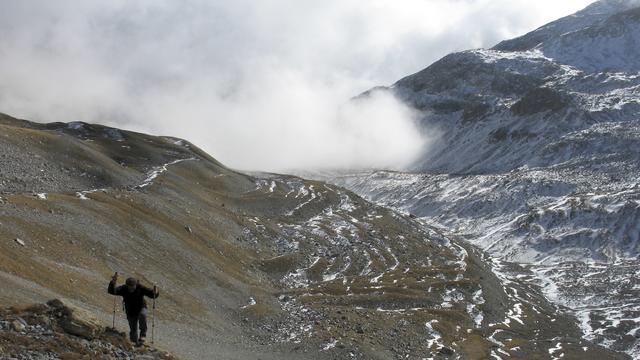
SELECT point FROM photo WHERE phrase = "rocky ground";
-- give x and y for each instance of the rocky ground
(54, 331)
(252, 266)
(572, 238)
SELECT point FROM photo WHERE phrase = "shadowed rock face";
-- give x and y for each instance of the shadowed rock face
(539, 100)
(463, 73)
(260, 265)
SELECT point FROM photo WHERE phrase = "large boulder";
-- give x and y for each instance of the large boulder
(75, 321)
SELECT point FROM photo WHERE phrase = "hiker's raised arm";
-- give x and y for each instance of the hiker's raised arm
(112, 285)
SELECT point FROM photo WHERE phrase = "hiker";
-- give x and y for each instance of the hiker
(135, 305)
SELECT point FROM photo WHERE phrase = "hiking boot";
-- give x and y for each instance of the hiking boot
(141, 341)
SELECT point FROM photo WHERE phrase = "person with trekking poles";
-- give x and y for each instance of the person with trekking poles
(133, 294)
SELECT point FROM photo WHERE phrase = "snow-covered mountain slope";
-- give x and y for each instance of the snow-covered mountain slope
(592, 16)
(498, 109)
(612, 45)
(537, 161)
(577, 243)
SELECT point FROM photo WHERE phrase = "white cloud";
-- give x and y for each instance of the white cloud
(259, 84)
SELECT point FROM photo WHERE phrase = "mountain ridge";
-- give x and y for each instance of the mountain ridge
(535, 161)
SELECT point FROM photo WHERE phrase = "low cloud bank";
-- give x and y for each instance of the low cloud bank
(259, 85)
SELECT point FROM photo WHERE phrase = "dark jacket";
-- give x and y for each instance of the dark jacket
(134, 301)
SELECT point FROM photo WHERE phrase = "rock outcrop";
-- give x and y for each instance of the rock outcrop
(59, 330)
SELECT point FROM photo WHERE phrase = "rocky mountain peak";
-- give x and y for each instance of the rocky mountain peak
(602, 37)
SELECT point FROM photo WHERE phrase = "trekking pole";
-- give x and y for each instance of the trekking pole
(153, 314)
(113, 326)
(114, 309)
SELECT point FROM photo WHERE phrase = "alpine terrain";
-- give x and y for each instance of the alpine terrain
(248, 265)
(515, 236)
(536, 162)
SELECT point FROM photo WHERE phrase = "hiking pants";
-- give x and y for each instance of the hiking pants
(141, 319)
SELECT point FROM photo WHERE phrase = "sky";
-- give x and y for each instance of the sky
(260, 85)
